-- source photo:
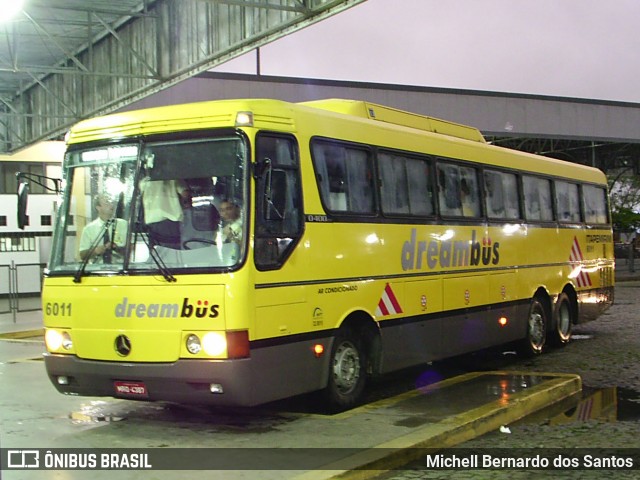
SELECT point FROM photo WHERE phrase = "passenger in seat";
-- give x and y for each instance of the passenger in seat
(231, 221)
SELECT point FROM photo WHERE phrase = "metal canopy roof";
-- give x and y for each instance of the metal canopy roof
(48, 33)
(64, 60)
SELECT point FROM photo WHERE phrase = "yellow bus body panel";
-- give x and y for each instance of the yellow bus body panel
(155, 317)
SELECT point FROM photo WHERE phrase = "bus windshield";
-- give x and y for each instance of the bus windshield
(144, 207)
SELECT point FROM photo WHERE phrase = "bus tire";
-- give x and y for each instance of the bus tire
(534, 341)
(347, 371)
(560, 335)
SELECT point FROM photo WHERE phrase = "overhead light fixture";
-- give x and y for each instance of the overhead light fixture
(9, 9)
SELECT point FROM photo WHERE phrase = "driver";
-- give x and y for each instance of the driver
(113, 235)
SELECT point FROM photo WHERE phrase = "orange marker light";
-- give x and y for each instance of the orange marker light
(503, 321)
(318, 349)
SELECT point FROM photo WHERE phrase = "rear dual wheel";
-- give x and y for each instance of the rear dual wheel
(563, 321)
(535, 338)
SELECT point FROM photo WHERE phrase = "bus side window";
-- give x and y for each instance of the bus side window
(567, 202)
(494, 195)
(501, 199)
(458, 191)
(345, 177)
(449, 190)
(595, 204)
(511, 196)
(420, 189)
(470, 192)
(405, 186)
(537, 198)
(278, 201)
(394, 191)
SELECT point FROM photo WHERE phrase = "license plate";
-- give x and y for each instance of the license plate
(131, 389)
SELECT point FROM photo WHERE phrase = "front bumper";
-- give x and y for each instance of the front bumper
(183, 381)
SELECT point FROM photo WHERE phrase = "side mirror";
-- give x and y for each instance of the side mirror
(23, 194)
(261, 166)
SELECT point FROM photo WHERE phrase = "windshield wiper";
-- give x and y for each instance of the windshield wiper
(77, 278)
(140, 230)
(162, 267)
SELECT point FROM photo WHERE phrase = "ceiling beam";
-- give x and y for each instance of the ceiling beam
(300, 8)
(140, 53)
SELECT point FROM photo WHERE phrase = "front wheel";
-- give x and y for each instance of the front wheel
(347, 371)
(535, 338)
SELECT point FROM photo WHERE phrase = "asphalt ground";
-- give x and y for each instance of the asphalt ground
(358, 443)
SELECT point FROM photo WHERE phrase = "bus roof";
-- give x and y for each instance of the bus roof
(382, 113)
(456, 140)
(222, 113)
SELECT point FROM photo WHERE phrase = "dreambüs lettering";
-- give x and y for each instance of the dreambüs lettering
(201, 309)
(419, 255)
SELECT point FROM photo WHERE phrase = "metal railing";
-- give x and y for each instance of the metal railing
(20, 296)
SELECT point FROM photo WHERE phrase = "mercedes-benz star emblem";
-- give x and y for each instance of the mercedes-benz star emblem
(123, 345)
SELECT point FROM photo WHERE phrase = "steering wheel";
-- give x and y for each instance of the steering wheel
(185, 244)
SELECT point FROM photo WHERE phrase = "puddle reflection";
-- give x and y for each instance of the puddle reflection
(607, 404)
(512, 384)
(601, 405)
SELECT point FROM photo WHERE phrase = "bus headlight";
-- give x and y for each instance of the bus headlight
(232, 344)
(193, 344)
(55, 339)
(214, 343)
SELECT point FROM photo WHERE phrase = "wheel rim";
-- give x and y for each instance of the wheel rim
(564, 321)
(536, 329)
(346, 367)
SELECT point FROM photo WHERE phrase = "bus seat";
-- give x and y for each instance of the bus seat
(205, 217)
(165, 233)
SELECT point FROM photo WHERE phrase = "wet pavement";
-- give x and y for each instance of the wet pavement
(377, 435)
(35, 416)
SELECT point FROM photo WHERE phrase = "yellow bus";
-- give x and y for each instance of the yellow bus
(242, 251)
